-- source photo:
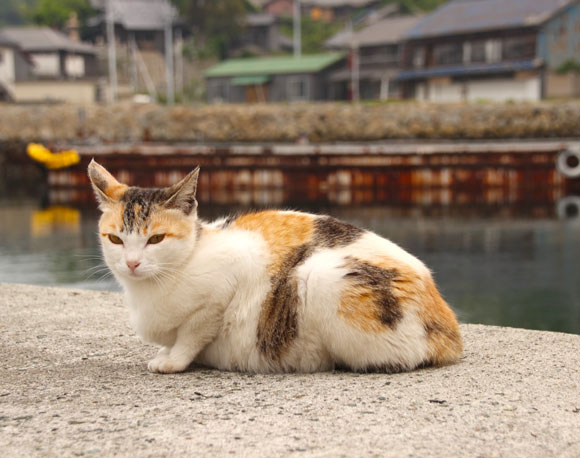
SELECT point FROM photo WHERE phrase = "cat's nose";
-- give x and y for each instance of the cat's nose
(133, 265)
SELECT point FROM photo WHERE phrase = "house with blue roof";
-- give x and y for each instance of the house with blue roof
(494, 50)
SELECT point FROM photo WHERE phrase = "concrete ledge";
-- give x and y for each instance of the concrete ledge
(73, 383)
(318, 122)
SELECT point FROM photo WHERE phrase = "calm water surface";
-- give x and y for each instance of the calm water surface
(521, 273)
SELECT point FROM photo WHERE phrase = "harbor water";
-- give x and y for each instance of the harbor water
(494, 268)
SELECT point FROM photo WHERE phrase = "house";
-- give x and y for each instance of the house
(279, 8)
(493, 50)
(275, 79)
(139, 27)
(378, 48)
(261, 35)
(14, 66)
(59, 70)
(143, 21)
(54, 55)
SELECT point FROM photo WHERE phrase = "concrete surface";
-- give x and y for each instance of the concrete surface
(73, 382)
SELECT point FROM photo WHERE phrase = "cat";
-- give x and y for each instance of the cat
(269, 291)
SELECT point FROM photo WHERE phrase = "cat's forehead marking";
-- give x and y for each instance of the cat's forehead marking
(138, 206)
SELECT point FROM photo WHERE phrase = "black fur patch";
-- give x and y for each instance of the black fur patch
(144, 199)
(379, 281)
(330, 232)
(278, 324)
(381, 368)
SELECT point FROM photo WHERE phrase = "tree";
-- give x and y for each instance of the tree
(215, 23)
(56, 13)
(414, 6)
(12, 12)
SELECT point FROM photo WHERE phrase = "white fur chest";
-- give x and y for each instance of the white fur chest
(154, 316)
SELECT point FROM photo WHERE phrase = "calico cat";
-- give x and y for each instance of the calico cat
(271, 291)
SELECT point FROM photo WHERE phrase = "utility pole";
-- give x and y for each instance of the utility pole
(179, 61)
(297, 29)
(112, 52)
(354, 66)
(169, 71)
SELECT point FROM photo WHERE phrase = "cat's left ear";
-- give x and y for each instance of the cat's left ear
(107, 189)
(181, 195)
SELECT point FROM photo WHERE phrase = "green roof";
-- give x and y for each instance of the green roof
(274, 65)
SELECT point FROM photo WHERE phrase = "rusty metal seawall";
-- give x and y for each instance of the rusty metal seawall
(401, 173)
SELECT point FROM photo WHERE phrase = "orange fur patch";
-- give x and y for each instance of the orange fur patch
(439, 321)
(283, 232)
(441, 327)
(112, 219)
(358, 306)
(115, 191)
(370, 300)
(170, 223)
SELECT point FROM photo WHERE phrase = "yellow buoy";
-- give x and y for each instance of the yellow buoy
(52, 160)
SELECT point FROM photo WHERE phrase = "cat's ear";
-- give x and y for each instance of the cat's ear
(182, 195)
(107, 189)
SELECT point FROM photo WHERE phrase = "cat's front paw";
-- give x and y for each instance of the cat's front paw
(163, 364)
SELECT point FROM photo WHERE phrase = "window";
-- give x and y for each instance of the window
(419, 58)
(449, 54)
(379, 55)
(493, 50)
(519, 48)
(219, 91)
(478, 55)
(298, 88)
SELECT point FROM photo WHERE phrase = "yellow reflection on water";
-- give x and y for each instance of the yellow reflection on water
(53, 219)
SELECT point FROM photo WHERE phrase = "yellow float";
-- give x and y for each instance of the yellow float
(52, 160)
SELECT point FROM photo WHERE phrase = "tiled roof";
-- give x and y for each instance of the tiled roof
(274, 65)
(386, 31)
(466, 16)
(31, 39)
(4, 41)
(138, 14)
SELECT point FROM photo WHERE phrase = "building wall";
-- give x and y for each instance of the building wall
(522, 87)
(279, 7)
(562, 86)
(559, 39)
(81, 92)
(22, 67)
(281, 88)
(7, 64)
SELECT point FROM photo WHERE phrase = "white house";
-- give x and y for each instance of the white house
(41, 64)
(13, 67)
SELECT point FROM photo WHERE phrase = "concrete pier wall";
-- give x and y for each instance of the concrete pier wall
(289, 122)
(73, 382)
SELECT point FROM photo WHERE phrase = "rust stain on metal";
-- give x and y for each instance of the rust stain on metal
(439, 173)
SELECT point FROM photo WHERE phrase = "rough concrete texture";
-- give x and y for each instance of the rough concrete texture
(73, 383)
(318, 122)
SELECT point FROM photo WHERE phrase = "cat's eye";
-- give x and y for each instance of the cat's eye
(116, 240)
(155, 239)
